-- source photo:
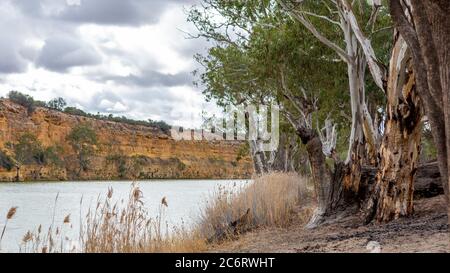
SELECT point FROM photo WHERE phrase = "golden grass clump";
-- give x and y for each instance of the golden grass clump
(270, 201)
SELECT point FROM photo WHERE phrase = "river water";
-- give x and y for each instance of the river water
(35, 203)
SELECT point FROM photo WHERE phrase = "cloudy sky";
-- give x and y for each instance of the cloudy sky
(125, 57)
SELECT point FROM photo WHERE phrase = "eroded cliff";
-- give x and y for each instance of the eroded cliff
(123, 151)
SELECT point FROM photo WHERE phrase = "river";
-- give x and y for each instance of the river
(35, 203)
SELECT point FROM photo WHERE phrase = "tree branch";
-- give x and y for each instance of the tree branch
(326, 18)
(342, 54)
(377, 69)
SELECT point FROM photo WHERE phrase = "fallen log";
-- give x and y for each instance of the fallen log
(427, 182)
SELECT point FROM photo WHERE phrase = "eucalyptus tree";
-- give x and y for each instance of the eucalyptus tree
(246, 63)
(396, 152)
(348, 50)
(425, 27)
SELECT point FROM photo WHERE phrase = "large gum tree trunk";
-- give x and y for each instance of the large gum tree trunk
(428, 38)
(363, 142)
(399, 153)
(363, 138)
(327, 183)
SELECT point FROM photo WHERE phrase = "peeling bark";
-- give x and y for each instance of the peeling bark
(399, 153)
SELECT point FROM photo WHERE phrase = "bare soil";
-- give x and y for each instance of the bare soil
(425, 231)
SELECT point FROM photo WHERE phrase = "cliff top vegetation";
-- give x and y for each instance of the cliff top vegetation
(59, 104)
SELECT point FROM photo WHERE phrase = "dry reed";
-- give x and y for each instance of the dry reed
(11, 212)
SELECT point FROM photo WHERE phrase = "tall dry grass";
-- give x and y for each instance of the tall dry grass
(131, 230)
(270, 200)
(116, 227)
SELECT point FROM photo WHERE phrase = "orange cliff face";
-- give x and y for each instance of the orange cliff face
(123, 151)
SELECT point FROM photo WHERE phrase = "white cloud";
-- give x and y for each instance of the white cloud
(73, 2)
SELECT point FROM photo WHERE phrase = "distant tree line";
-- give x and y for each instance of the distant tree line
(59, 104)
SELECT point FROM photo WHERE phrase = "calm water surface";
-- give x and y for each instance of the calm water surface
(36, 203)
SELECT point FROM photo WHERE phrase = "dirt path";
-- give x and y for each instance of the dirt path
(426, 231)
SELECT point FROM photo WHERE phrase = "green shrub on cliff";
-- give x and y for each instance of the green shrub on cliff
(5, 161)
(28, 150)
(83, 140)
(22, 99)
(57, 104)
(75, 111)
(53, 155)
(162, 125)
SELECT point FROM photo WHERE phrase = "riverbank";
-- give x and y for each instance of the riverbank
(125, 180)
(425, 231)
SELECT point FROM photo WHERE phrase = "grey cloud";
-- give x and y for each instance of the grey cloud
(32, 8)
(63, 52)
(158, 102)
(11, 42)
(11, 60)
(29, 53)
(102, 12)
(105, 102)
(117, 12)
(197, 46)
(151, 79)
(129, 12)
(106, 12)
(157, 95)
(155, 103)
